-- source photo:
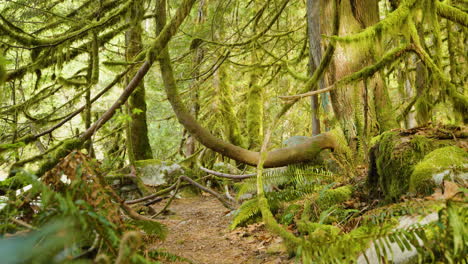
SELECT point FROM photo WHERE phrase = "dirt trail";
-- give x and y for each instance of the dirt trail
(199, 231)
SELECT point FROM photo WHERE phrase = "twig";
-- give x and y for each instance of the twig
(164, 191)
(158, 199)
(215, 194)
(170, 200)
(22, 223)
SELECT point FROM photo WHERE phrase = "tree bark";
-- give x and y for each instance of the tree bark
(137, 131)
(315, 56)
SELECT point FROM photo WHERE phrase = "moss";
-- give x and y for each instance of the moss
(316, 230)
(52, 160)
(393, 21)
(395, 160)
(287, 217)
(12, 145)
(15, 183)
(439, 164)
(331, 197)
(452, 13)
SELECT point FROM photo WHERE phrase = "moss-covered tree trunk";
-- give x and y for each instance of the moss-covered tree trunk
(137, 131)
(230, 122)
(255, 105)
(198, 54)
(355, 15)
(315, 56)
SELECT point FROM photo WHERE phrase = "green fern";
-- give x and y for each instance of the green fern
(296, 175)
(296, 181)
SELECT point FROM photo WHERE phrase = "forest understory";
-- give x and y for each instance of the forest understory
(270, 131)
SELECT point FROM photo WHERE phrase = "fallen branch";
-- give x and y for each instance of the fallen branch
(226, 175)
(161, 192)
(215, 194)
(170, 200)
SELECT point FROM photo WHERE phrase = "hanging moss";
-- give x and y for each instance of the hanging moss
(78, 34)
(3, 72)
(448, 162)
(94, 61)
(452, 13)
(394, 21)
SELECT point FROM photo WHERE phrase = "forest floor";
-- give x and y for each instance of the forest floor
(199, 230)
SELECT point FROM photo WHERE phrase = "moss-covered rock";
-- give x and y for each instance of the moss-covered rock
(331, 197)
(395, 154)
(157, 172)
(449, 163)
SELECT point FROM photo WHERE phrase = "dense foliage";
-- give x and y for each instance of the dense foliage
(91, 89)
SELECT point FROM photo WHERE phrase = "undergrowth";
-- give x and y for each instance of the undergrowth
(330, 228)
(69, 216)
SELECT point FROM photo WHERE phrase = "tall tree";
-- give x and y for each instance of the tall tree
(137, 132)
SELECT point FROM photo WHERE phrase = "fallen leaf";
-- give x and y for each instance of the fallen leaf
(450, 189)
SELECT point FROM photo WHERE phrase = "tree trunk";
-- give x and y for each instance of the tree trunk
(315, 56)
(346, 101)
(137, 132)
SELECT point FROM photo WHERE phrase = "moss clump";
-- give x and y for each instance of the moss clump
(395, 157)
(316, 230)
(436, 166)
(331, 197)
(287, 217)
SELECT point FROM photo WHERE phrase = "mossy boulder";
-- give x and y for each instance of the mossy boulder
(396, 153)
(448, 163)
(330, 197)
(157, 172)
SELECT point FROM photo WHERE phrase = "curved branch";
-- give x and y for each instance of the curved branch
(300, 153)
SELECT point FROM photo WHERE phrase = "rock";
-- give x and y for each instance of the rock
(395, 154)
(226, 168)
(157, 172)
(448, 163)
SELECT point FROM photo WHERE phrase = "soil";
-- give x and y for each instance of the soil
(199, 230)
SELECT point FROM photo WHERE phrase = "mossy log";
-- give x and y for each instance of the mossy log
(396, 153)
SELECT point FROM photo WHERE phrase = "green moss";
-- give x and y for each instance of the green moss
(316, 230)
(439, 164)
(148, 162)
(12, 146)
(394, 21)
(52, 160)
(16, 182)
(395, 160)
(331, 197)
(287, 217)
